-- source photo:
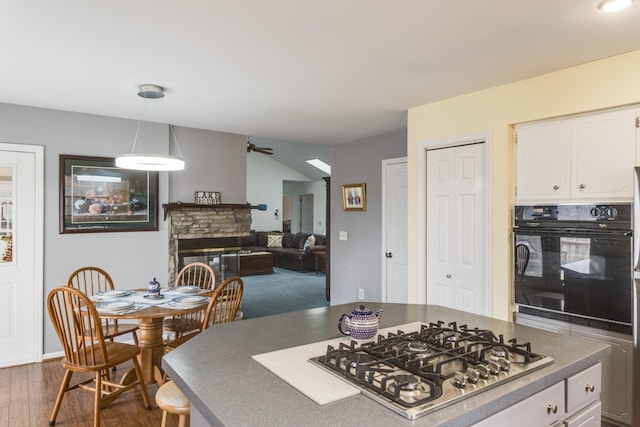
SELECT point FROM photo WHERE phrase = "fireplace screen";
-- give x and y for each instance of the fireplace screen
(222, 254)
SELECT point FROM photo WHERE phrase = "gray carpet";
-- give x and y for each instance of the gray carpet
(282, 291)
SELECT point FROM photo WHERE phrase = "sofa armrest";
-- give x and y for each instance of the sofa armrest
(315, 248)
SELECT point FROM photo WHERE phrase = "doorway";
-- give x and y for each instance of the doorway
(21, 253)
(306, 213)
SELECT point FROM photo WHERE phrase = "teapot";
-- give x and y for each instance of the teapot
(153, 289)
(361, 324)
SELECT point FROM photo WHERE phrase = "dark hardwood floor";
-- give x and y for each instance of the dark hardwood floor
(28, 392)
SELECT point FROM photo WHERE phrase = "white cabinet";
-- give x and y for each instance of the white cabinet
(617, 387)
(589, 417)
(616, 384)
(589, 157)
(550, 408)
(542, 409)
(583, 387)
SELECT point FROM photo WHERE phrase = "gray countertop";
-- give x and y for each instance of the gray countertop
(227, 387)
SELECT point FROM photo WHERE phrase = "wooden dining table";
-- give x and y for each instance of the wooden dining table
(150, 335)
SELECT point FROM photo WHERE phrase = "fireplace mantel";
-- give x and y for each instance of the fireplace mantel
(168, 207)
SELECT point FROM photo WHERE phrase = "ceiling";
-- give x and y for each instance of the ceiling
(323, 72)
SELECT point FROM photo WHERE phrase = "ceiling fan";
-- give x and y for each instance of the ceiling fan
(264, 150)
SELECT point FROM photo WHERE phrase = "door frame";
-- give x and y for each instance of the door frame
(383, 261)
(446, 142)
(38, 244)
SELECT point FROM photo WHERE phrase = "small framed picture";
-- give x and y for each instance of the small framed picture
(354, 197)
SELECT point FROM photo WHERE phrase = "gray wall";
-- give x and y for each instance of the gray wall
(214, 161)
(355, 263)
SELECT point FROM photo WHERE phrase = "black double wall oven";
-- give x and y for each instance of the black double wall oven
(574, 263)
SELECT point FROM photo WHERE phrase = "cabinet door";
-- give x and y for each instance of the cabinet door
(542, 409)
(616, 395)
(543, 161)
(588, 417)
(604, 156)
(583, 387)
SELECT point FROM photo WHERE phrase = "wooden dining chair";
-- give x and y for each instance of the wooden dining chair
(223, 307)
(197, 274)
(77, 324)
(90, 281)
(193, 274)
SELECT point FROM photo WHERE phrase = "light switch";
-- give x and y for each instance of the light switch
(343, 235)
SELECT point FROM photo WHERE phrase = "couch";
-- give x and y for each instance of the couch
(293, 251)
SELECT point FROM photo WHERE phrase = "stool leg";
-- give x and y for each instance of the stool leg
(184, 421)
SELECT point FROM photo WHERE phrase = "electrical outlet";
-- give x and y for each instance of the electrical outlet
(361, 293)
(343, 235)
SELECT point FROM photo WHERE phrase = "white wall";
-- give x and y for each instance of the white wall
(132, 258)
(264, 186)
(319, 191)
(355, 262)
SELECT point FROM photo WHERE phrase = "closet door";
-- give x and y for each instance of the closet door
(456, 236)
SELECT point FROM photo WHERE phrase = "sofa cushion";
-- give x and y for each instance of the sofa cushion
(262, 238)
(320, 239)
(274, 240)
(286, 240)
(298, 240)
(250, 240)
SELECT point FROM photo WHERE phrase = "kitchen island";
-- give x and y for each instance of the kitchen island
(227, 387)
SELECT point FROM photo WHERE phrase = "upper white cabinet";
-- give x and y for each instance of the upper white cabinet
(583, 157)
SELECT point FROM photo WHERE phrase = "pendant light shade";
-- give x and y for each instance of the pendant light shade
(145, 161)
(149, 162)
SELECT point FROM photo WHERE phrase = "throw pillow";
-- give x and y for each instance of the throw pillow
(274, 240)
(311, 240)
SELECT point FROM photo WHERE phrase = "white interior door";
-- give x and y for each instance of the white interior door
(394, 233)
(456, 236)
(21, 308)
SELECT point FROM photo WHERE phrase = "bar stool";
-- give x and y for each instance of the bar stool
(174, 404)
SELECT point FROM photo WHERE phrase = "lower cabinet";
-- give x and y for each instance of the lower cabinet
(572, 402)
(616, 395)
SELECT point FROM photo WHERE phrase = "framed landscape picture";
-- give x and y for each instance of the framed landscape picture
(354, 197)
(96, 196)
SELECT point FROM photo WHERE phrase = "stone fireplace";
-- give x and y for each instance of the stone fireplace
(204, 231)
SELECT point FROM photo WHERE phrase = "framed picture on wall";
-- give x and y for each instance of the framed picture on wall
(96, 196)
(354, 197)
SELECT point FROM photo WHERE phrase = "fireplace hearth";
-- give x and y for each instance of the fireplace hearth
(206, 233)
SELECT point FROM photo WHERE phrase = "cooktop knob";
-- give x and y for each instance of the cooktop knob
(473, 375)
(504, 364)
(459, 380)
(483, 371)
(493, 367)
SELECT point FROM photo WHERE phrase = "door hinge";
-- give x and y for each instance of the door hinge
(638, 121)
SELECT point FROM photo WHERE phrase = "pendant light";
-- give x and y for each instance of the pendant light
(150, 162)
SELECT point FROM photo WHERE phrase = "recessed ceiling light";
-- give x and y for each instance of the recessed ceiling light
(614, 5)
(320, 165)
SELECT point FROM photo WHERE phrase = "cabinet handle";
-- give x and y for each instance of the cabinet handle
(590, 388)
(555, 187)
(448, 276)
(582, 186)
(552, 408)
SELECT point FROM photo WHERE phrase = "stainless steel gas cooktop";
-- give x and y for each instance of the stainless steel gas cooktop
(416, 373)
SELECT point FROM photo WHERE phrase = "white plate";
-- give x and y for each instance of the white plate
(190, 300)
(114, 293)
(116, 305)
(187, 289)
